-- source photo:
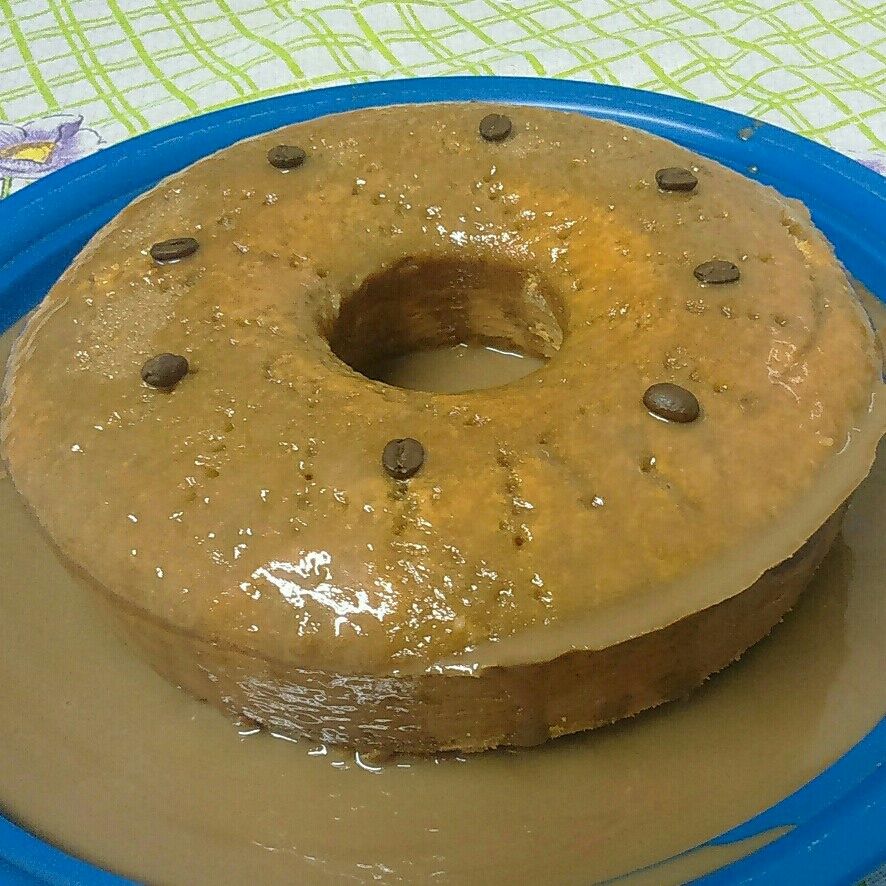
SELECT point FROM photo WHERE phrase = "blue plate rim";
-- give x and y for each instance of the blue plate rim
(844, 840)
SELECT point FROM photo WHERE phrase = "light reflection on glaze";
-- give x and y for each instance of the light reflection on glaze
(344, 602)
(780, 361)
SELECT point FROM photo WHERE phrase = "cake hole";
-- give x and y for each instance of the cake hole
(448, 325)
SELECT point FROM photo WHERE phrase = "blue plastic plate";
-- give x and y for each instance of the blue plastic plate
(839, 818)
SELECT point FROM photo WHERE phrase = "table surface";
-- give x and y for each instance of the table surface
(79, 74)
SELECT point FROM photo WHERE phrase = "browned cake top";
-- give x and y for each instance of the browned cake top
(250, 498)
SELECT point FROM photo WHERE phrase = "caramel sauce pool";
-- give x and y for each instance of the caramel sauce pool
(454, 370)
(102, 757)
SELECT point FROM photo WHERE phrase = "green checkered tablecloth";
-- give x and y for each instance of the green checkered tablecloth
(76, 74)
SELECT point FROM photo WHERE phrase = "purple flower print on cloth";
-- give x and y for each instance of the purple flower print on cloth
(42, 146)
(875, 160)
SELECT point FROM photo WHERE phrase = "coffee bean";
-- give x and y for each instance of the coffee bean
(716, 272)
(174, 249)
(495, 127)
(403, 458)
(671, 402)
(675, 178)
(286, 157)
(164, 371)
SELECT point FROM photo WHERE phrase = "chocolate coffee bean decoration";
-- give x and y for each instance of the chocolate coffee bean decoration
(717, 272)
(174, 249)
(403, 458)
(164, 371)
(671, 402)
(675, 178)
(286, 157)
(495, 127)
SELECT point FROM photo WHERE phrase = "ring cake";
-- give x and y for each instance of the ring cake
(187, 414)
